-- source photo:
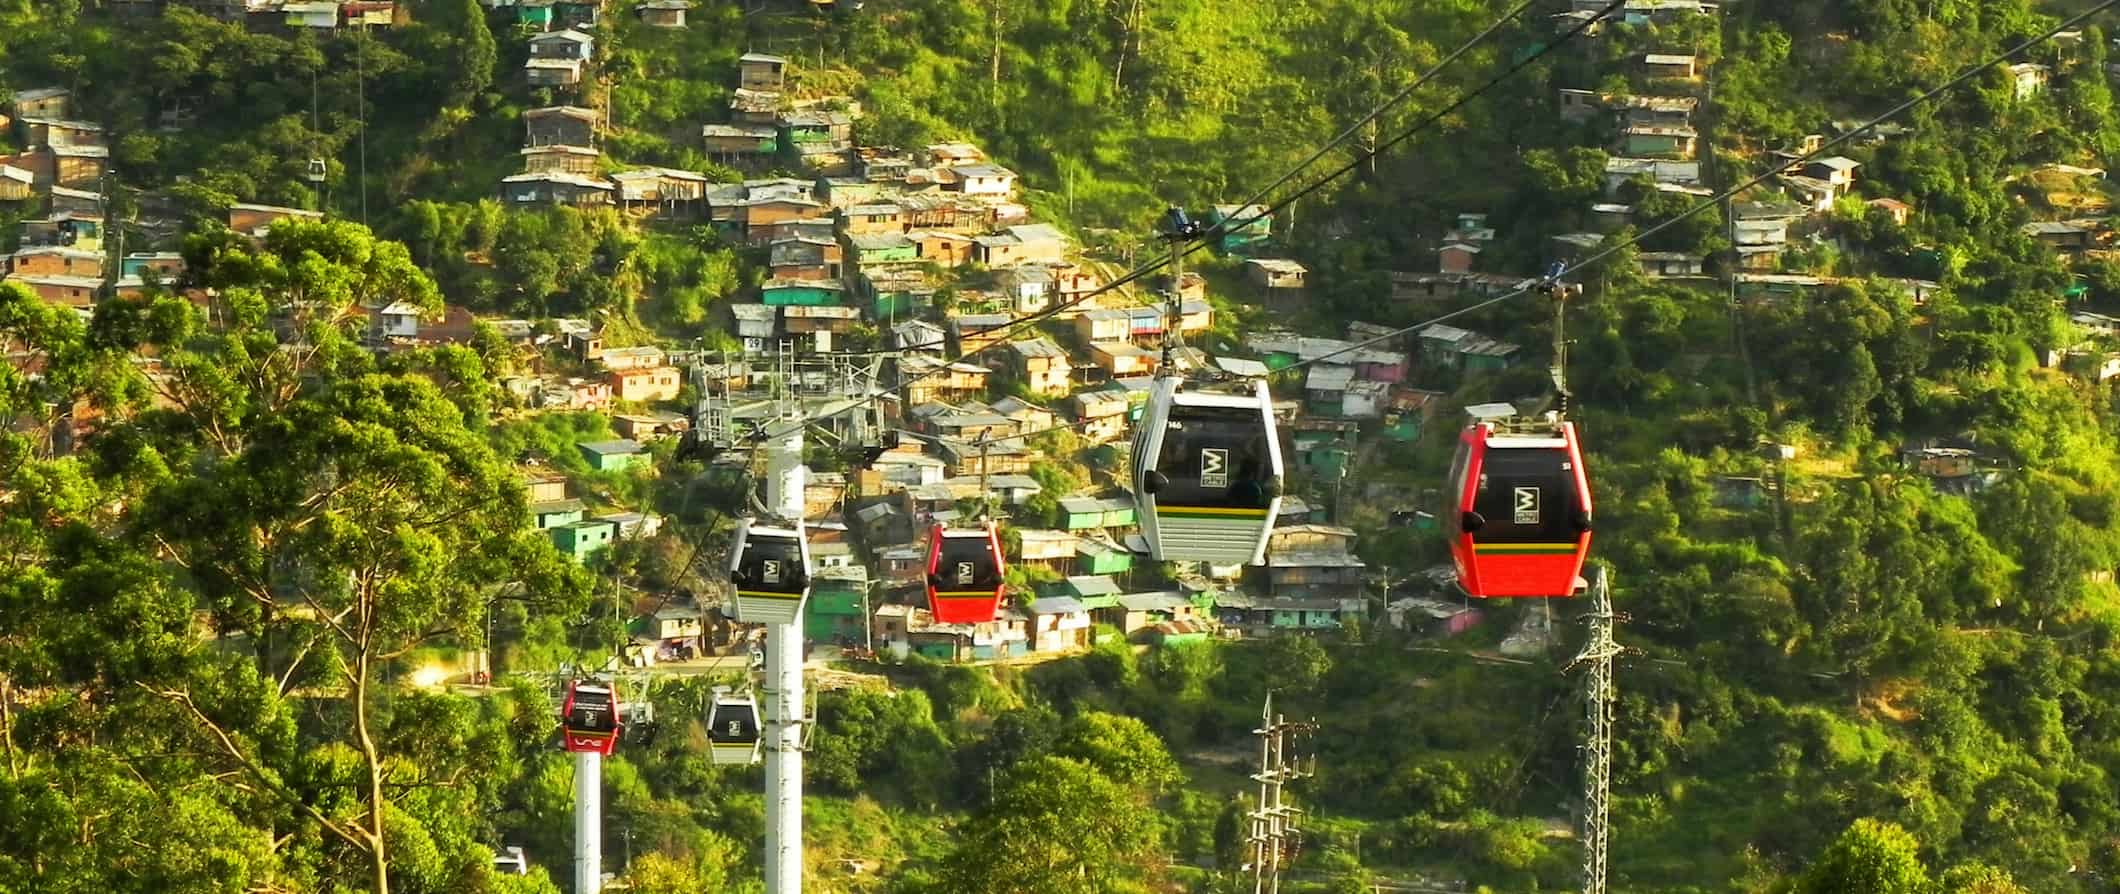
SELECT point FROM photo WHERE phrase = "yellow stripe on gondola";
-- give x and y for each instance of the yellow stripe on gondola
(1524, 547)
(1211, 510)
(769, 594)
(965, 594)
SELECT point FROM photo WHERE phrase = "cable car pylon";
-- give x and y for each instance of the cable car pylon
(1599, 696)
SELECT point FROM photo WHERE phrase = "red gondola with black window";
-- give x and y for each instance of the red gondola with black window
(1519, 524)
(589, 722)
(965, 569)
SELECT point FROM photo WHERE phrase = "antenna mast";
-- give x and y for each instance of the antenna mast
(1274, 833)
(1599, 695)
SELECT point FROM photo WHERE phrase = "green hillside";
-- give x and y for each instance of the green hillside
(1858, 485)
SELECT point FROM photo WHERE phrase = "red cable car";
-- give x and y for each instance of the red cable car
(1519, 525)
(965, 568)
(590, 720)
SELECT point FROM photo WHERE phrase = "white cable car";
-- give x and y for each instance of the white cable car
(1207, 473)
(770, 567)
(733, 736)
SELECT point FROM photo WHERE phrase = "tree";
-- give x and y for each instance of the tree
(1871, 857)
(477, 54)
(1122, 748)
(1055, 826)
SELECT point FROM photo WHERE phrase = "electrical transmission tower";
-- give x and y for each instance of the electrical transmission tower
(1599, 695)
(1274, 836)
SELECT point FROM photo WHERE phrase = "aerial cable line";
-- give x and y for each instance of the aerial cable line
(1540, 284)
(1226, 227)
(1008, 330)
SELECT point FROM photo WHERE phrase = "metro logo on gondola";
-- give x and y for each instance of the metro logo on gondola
(1214, 467)
(1527, 505)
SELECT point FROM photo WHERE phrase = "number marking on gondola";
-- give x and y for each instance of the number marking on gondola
(1214, 467)
(1527, 505)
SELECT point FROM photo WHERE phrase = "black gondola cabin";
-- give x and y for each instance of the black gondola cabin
(589, 721)
(965, 574)
(1519, 525)
(770, 567)
(1207, 474)
(733, 732)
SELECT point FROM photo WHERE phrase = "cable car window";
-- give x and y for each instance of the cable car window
(966, 563)
(1526, 496)
(1215, 457)
(1459, 465)
(734, 723)
(590, 713)
(772, 563)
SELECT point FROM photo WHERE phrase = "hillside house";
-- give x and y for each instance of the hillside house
(755, 108)
(763, 217)
(957, 381)
(1325, 388)
(1119, 358)
(582, 539)
(650, 426)
(759, 71)
(1244, 228)
(1577, 106)
(55, 260)
(541, 486)
(549, 514)
(1103, 325)
(1836, 170)
(1097, 555)
(257, 220)
(1275, 273)
(942, 247)
(560, 158)
(1619, 171)
(885, 248)
(72, 291)
(42, 102)
(802, 293)
(728, 140)
(560, 126)
(1040, 366)
(1655, 111)
(540, 71)
(1660, 140)
(565, 43)
(577, 13)
(1457, 257)
(164, 266)
(78, 166)
(1670, 263)
(1058, 624)
(755, 325)
(555, 188)
(1450, 346)
(918, 336)
(614, 455)
(1899, 211)
(2029, 79)
(1028, 287)
(1086, 513)
(989, 180)
(820, 324)
(1100, 416)
(16, 184)
(39, 131)
(662, 192)
(1035, 243)
(1050, 550)
(1312, 573)
(977, 332)
(813, 131)
(962, 458)
(654, 383)
(1135, 613)
(663, 13)
(2064, 237)
(876, 217)
(1669, 65)
(802, 258)
(1266, 616)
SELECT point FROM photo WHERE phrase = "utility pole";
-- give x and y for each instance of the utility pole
(1599, 695)
(785, 477)
(1274, 833)
(589, 820)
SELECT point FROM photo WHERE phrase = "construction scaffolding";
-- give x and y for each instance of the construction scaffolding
(1275, 834)
(1599, 696)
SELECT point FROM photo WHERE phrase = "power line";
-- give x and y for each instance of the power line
(1534, 284)
(1010, 329)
